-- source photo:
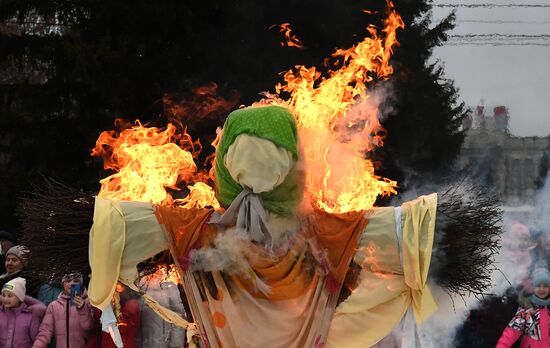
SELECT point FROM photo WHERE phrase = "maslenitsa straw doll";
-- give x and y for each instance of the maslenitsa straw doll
(270, 270)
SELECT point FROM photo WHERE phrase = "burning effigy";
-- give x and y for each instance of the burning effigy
(265, 240)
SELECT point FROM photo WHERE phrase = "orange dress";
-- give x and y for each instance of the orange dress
(303, 281)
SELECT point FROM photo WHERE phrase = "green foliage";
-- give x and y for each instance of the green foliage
(424, 115)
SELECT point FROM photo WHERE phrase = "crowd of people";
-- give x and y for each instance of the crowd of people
(519, 317)
(58, 313)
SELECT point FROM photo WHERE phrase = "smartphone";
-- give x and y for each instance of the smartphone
(75, 291)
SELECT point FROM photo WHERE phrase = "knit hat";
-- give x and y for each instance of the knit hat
(541, 275)
(273, 123)
(5, 235)
(21, 252)
(72, 276)
(17, 287)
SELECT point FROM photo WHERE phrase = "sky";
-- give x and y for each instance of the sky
(512, 74)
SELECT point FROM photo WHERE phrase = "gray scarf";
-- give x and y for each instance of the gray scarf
(539, 301)
(248, 215)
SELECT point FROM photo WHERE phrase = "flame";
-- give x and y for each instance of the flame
(202, 102)
(375, 256)
(166, 274)
(338, 122)
(200, 195)
(148, 160)
(291, 39)
(336, 117)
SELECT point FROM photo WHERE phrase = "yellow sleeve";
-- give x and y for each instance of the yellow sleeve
(393, 276)
(123, 235)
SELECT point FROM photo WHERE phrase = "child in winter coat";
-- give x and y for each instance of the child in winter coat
(69, 320)
(19, 316)
(531, 321)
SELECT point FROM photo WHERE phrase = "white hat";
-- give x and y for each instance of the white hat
(17, 287)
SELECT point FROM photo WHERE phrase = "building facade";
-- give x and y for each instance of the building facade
(514, 166)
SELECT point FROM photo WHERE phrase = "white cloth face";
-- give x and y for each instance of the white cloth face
(257, 164)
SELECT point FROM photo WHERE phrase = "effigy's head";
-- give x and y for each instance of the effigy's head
(258, 150)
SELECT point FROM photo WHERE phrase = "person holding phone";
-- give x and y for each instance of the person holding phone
(69, 318)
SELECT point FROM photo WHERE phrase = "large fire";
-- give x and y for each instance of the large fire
(148, 160)
(338, 125)
(338, 122)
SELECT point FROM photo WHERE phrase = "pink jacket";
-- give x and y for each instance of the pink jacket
(535, 319)
(19, 326)
(55, 323)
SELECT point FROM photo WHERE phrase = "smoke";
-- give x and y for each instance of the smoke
(468, 228)
(452, 311)
(525, 241)
(230, 251)
(523, 244)
(226, 254)
(540, 219)
(357, 134)
(361, 126)
(336, 151)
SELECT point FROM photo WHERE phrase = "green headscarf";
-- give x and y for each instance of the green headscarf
(273, 123)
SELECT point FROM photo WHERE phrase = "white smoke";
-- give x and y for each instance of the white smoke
(452, 311)
(230, 250)
(514, 262)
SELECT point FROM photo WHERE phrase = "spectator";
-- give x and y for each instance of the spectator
(484, 324)
(20, 316)
(155, 331)
(531, 322)
(542, 251)
(517, 245)
(7, 240)
(69, 320)
(17, 265)
(49, 291)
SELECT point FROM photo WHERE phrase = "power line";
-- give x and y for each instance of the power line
(484, 21)
(492, 5)
(497, 35)
(490, 43)
(497, 39)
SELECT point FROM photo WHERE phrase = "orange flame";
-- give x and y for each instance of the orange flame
(291, 39)
(200, 195)
(148, 160)
(375, 255)
(202, 102)
(166, 274)
(162, 273)
(338, 122)
(375, 258)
